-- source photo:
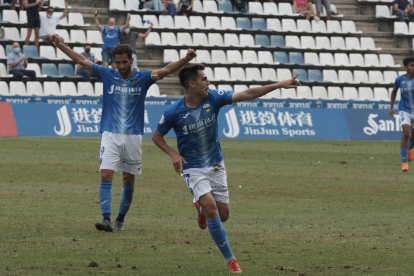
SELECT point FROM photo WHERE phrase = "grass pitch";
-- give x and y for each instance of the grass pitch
(296, 208)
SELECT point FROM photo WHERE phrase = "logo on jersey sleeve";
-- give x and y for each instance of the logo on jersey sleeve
(112, 89)
(162, 119)
(206, 108)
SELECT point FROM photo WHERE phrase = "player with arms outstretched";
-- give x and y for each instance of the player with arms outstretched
(122, 123)
(406, 110)
(199, 159)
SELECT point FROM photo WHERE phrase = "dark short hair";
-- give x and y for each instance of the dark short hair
(407, 61)
(50, 8)
(86, 45)
(189, 73)
(122, 49)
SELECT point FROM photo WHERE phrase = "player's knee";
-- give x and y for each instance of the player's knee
(106, 176)
(210, 210)
(406, 135)
(224, 217)
(129, 179)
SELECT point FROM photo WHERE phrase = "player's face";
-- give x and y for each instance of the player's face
(123, 64)
(201, 84)
(410, 68)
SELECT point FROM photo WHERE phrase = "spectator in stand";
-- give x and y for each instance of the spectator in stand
(155, 5)
(170, 7)
(185, 7)
(305, 8)
(17, 63)
(89, 56)
(402, 9)
(110, 39)
(48, 23)
(2, 32)
(239, 5)
(130, 38)
(327, 5)
(33, 19)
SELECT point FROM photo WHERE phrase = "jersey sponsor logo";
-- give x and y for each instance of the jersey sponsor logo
(232, 124)
(221, 92)
(206, 108)
(186, 115)
(112, 89)
(133, 80)
(162, 119)
(65, 127)
(116, 78)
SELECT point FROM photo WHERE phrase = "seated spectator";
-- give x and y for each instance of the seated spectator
(130, 38)
(170, 7)
(239, 5)
(155, 5)
(89, 56)
(2, 33)
(305, 8)
(185, 7)
(48, 23)
(17, 63)
(402, 9)
(327, 5)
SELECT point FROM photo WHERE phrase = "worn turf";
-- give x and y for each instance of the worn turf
(296, 208)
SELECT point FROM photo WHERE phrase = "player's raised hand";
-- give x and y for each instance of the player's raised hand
(191, 54)
(178, 161)
(392, 112)
(55, 40)
(292, 83)
(96, 13)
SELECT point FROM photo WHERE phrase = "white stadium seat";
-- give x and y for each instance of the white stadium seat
(285, 9)
(166, 22)
(269, 74)
(361, 76)
(85, 89)
(168, 38)
(326, 59)
(240, 88)
(10, 16)
(253, 74)
(303, 25)
(231, 40)
(288, 93)
(23, 34)
(35, 67)
(47, 52)
(375, 77)
(249, 57)
(197, 22)
(234, 56)
(322, 42)
(292, 41)
(209, 73)
(132, 5)
(371, 60)
(288, 25)
(319, 92)
(335, 93)
(170, 56)
(255, 7)
(76, 18)
(181, 22)
(184, 39)
(221, 73)
(381, 94)
(68, 88)
(390, 76)
(12, 33)
(341, 59)
(218, 56)
(213, 22)
(337, 43)
(116, 5)
(283, 74)
(51, 88)
(273, 23)
(154, 91)
(228, 23)
(153, 39)
(368, 43)
(200, 39)
(34, 88)
(311, 58)
(319, 26)
(136, 21)
(17, 88)
(247, 40)
(203, 56)
(400, 28)
(4, 88)
(225, 87)
(210, 6)
(330, 75)
(98, 89)
(350, 93)
(345, 76)
(215, 39)
(237, 73)
(94, 37)
(307, 42)
(265, 57)
(152, 18)
(304, 92)
(356, 60)
(365, 93)
(270, 8)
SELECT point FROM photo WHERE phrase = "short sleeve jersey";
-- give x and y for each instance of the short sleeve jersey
(123, 100)
(197, 129)
(48, 25)
(110, 37)
(406, 87)
(130, 39)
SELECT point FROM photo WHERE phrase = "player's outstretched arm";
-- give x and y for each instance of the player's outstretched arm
(393, 96)
(78, 58)
(254, 93)
(177, 159)
(172, 67)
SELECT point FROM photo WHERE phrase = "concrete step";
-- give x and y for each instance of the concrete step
(366, 27)
(347, 9)
(342, 2)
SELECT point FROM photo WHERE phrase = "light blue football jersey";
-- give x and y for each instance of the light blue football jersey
(123, 100)
(406, 87)
(197, 129)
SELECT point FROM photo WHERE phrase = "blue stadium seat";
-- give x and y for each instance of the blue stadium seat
(303, 76)
(259, 23)
(262, 40)
(30, 51)
(277, 40)
(9, 49)
(66, 70)
(315, 75)
(280, 57)
(50, 70)
(296, 57)
(226, 7)
(243, 22)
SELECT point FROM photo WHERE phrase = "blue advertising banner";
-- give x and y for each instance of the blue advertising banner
(70, 120)
(163, 101)
(282, 123)
(373, 125)
(234, 122)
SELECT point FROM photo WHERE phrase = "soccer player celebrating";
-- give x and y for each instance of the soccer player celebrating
(199, 159)
(406, 110)
(122, 122)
